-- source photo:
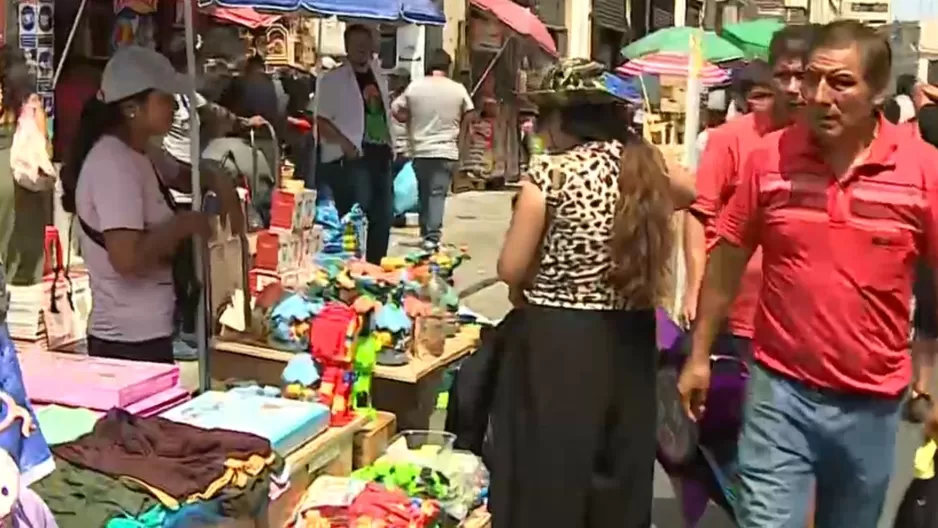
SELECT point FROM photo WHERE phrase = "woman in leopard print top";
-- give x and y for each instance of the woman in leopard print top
(585, 258)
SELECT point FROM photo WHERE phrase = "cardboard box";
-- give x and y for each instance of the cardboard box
(258, 279)
(292, 210)
(308, 218)
(372, 440)
(310, 245)
(277, 251)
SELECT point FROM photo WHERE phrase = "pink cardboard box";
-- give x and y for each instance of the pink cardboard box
(94, 383)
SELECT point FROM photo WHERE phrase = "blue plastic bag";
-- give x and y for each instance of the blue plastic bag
(405, 191)
(31, 453)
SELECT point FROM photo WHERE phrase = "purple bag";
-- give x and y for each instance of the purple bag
(682, 441)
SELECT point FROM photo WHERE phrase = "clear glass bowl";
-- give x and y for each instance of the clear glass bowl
(424, 448)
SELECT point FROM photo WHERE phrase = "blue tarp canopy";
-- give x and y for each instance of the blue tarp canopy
(409, 11)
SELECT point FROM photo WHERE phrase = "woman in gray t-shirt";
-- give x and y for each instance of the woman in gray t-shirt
(117, 183)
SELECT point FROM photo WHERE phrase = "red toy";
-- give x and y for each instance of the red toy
(332, 337)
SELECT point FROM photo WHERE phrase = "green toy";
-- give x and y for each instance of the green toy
(366, 357)
(412, 479)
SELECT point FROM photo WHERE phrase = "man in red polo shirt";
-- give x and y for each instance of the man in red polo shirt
(772, 95)
(842, 205)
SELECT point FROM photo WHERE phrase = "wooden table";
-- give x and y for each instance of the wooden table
(328, 454)
(408, 391)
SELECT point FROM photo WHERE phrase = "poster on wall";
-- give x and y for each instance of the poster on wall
(135, 23)
(36, 20)
(132, 28)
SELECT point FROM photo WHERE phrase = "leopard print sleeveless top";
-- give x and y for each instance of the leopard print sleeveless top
(576, 256)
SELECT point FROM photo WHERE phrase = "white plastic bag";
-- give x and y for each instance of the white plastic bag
(29, 155)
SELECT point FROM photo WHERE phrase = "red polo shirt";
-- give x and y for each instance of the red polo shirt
(838, 256)
(717, 179)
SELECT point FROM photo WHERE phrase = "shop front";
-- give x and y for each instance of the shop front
(504, 42)
(609, 28)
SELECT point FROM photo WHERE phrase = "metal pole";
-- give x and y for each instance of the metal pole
(315, 130)
(491, 65)
(195, 150)
(68, 42)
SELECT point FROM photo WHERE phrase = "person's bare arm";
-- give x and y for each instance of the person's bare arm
(740, 229)
(399, 108)
(520, 248)
(720, 283)
(695, 261)
(136, 253)
(682, 186)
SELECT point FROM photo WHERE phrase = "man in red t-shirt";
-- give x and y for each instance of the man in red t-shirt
(842, 205)
(770, 104)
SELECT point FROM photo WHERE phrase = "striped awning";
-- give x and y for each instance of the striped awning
(673, 65)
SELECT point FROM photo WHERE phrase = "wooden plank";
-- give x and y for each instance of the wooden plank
(325, 447)
(457, 347)
(226, 351)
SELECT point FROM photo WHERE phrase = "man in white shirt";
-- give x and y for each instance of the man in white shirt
(434, 108)
(355, 153)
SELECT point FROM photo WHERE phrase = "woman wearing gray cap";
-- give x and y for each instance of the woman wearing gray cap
(132, 237)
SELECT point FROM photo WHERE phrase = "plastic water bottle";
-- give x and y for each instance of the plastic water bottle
(435, 289)
(431, 328)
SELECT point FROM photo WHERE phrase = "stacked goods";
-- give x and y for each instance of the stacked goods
(287, 424)
(285, 252)
(100, 383)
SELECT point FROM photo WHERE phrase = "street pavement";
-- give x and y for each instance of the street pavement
(479, 221)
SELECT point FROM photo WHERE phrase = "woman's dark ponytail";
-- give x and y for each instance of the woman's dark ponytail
(97, 119)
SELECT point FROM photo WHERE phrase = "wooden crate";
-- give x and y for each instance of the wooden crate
(328, 454)
(372, 440)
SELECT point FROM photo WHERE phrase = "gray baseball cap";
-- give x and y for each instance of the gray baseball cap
(135, 69)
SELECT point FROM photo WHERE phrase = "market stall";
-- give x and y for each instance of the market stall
(297, 275)
(130, 445)
(503, 42)
(407, 391)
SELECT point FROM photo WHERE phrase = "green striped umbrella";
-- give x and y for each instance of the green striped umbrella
(677, 40)
(754, 36)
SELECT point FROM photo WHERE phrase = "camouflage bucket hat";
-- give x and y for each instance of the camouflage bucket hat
(578, 81)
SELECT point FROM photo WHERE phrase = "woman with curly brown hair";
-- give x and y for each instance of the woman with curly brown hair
(586, 258)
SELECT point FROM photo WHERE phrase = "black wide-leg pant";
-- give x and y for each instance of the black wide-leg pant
(573, 426)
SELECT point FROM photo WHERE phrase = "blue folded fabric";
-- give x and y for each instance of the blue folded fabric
(31, 453)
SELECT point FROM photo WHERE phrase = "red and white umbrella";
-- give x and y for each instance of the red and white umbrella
(674, 65)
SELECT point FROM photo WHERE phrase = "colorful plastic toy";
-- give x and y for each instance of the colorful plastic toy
(366, 357)
(332, 338)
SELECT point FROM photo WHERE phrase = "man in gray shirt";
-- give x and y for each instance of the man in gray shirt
(434, 108)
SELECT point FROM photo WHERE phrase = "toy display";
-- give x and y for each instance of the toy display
(300, 378)
(332, 344)
(347, 314)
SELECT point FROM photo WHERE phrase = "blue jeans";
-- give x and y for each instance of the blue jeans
(433, 178)
(794, 435)
(366, 181)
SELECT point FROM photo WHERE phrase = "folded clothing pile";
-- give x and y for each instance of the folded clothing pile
(127, 465)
